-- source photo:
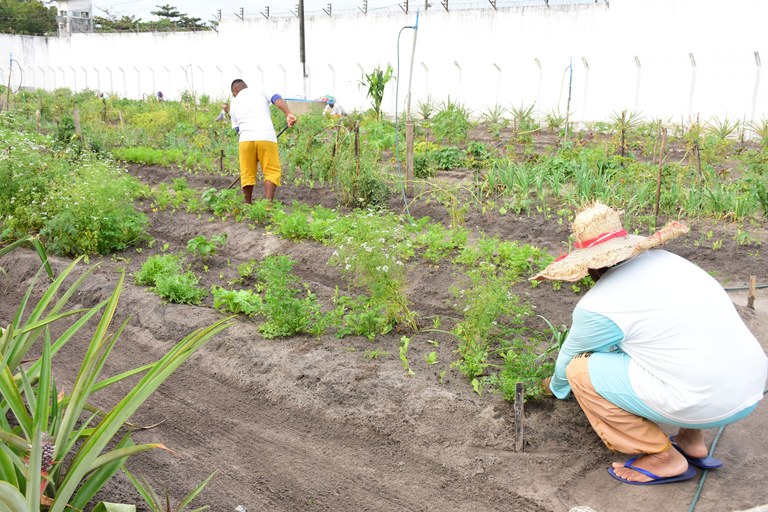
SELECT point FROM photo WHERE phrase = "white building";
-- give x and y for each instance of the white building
(74, 16)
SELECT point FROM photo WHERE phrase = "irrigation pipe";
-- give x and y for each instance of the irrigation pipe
(712, 448)
(736, 288)
(397, 95)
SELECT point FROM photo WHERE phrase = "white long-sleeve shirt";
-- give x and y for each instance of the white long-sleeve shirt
(691, 359)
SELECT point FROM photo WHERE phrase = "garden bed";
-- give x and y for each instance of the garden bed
(306, 423)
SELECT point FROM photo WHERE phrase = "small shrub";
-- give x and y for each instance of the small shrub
(205, 248)
(237, 301)
(156, 266)
(448, 158)
(179, 288)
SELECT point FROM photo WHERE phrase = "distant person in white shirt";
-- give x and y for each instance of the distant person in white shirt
(333, 108)
(655, 340)
(252, 120)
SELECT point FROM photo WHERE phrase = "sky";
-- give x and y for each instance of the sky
(206, 9)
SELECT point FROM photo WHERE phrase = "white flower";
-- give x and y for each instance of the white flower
(347, 266)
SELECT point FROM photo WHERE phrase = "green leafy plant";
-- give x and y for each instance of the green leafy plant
(204, 247)
(522, 117)
(286, 313)
(451, 124)
(448, 157)
(426, 108)
(375, 83)
(156, 504)
(179, 288)
(369, 254)
(55, 453)
(405, 342)
(156, 266)
(237, 301)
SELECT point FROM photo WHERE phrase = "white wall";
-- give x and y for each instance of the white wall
(479, 57)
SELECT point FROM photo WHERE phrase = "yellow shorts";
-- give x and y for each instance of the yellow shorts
(254, 152)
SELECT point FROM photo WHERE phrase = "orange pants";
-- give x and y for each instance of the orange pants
(252, 153)
(620, 430)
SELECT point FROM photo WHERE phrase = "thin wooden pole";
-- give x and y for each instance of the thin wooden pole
(357, 146)
(658, 178)
(78, 130)
(221, 161)
(519, 442)
(751, 293)
(408, 158)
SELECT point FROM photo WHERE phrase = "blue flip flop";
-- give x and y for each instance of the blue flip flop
(700, 462)
(656, 479)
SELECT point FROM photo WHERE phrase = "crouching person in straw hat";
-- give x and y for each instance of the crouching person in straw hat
(655, 340)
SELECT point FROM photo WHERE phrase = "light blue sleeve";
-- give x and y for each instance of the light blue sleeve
(590, 332)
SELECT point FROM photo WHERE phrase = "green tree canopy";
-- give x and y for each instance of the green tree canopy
(29, 17)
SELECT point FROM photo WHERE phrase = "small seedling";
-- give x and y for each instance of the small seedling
(405, 341)
(204, 247)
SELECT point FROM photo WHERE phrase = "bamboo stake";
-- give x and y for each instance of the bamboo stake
(519, 442)
(658, 178)
(78, 130)
(357, 146)
(751, 293)
(37, 120)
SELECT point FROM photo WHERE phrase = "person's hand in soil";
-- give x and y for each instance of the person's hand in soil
(545, 384)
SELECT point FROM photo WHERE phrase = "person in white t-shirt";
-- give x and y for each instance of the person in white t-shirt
(333, 108)
(655, 340)
(252, 120)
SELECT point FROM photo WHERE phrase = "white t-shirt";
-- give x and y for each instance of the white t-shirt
(250, 112)
(692, 358)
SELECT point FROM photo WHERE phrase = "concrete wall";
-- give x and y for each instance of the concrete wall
(669, 59)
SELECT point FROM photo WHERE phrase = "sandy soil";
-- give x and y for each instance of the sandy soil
(311, 424)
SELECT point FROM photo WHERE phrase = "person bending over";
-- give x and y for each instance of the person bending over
(251, 119)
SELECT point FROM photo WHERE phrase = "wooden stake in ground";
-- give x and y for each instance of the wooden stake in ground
(519, 443)
(78, 130)
(751, 293)
(357, 147)
(658, 179)
(408, 158)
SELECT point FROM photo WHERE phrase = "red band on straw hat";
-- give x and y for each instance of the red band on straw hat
(604, 237)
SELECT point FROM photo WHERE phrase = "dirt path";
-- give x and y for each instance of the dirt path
(311, 424)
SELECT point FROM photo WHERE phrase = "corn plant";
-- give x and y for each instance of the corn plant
(53, 454)
(375, 83)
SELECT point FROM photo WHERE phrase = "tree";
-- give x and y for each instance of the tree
(27, 17)
(111, 23)
(167, 11)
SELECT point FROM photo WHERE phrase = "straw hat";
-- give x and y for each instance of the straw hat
(601, 241)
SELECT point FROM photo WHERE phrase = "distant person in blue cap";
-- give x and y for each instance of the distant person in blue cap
(333, 108)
